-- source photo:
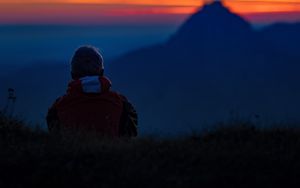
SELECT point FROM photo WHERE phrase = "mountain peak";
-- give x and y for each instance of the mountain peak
(215, 4)
(213, 20)
(215, 8)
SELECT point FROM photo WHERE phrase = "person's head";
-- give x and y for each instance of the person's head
(87, 61)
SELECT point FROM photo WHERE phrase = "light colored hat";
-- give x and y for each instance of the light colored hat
(87, 61)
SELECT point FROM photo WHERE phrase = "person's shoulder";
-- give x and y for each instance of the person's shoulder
(120, 96)
(126, 103)
(125, 99)
(57, 102)
(63, 99)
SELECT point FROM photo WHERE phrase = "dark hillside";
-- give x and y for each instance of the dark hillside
(236, 156)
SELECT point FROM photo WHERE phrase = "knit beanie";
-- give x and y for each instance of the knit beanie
(87, 61)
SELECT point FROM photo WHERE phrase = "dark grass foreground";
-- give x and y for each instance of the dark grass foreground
(241, 156)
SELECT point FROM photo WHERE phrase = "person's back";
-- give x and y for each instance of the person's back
(89, 105)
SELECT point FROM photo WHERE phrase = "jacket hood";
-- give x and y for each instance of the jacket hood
(90, 84)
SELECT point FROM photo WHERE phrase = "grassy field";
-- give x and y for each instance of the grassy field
(236, 156)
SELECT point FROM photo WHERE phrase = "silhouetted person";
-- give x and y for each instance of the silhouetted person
(89, 105)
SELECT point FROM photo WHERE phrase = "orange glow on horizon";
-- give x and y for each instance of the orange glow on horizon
(23, 11)
(261, 7)
(111, 2)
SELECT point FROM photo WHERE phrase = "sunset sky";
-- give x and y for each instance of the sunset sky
(136, 11)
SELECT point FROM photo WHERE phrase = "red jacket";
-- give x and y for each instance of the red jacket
(90, 106)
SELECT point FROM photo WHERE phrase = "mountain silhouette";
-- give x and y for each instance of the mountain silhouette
(210, 31)
(214, 67)
(213, 23)
(216, 64)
